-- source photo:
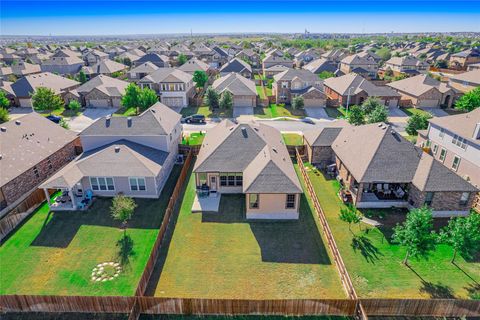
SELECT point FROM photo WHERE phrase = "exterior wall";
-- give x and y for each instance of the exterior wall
(321, 156)
(272, 206)
(244, 101)
(442, 202)
(122, 186)
(27, 181)
(431, 98)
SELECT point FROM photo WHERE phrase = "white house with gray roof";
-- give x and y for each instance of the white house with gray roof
(129, 155)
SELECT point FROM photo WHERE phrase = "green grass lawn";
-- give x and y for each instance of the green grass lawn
(334, 112)
(411, 111)
(207, 112)
(221, 255)
(260, 92)
(274, 111)
(55, 253)
(375, 265)
(60, 112)
(125, 112)
(194, 139)
(268, 91)
(293, 139)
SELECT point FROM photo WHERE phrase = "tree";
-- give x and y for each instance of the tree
(416, 233)
(469, 101)
(4, 117)
(45, 99)
(349, 215)
(4, 102)
(356, 116)
(82, 77)
(441, 64)
(298, 103)
(370, 104)
(226, 101)
(64, 124)
(463, 235)
(122, 209)
(200, 78)
(384, 53)
(417, 122)
(379, 114)
(326, 74)
(74, 105)
(147, 98)
(181, 59)
(131, 98)
(211, 98)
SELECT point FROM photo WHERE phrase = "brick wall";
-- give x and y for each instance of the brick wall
(28, 180)
(442, 201)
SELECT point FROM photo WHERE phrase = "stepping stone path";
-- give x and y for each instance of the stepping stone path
(106, 271)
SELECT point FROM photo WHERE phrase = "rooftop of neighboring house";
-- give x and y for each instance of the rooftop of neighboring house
(193, 65)
(291, 74)
(112, 87)
(28, 84)
(169, 75)
(236, 84)
(146, 67)
(158, 120)
(248, 52)
(467, 53)
(271, 58)
(355, 84)
(27, 141)
(98, 53)
(236, 65)
(469, 76)
(407, 61)
(419, 84)
(153, 57)
(358, 60)
(464, 125)
(277, 68)
(320, 65)
(105, 66)
(324, 137)
(256, 150)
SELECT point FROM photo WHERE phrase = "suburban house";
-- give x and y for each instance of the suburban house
(273, 70)
(173, 86)
(106, 67)
(251, 56)
(121, 155)
(25, 87)
(423, 91)
(304, 57)
(251, 159)
(362, 65)
(141, 71)
(63, 62)
(22, 68)
(455, 142)
(160, 61)
(378, 168)
(218, 57)
(352, 89)
(463, 59)
(243, 90)
(475, 66)
(273, 60)
(298, 82)
(466, 81)
(370, 55)
(238, 66)
(33, 148)
(335, 55)
(99, 92)
(93, 57)
(409, 65)
(194, 64)
(320, 65)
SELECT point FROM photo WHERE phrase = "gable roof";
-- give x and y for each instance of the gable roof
(290, 74)
(167, 75)
(110, 86)
(236, 84)
(343, 84)
(419, 85)
(106, 66)
(236, 65)
(324, 137)
(322, 64)
(461, 124)
(28, 84)
(146, 67)
(193, 65)
(470, 76)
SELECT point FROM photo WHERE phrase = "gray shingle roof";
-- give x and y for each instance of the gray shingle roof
(358, 83)
(236, 84)
(27, 85)
(236, 65)
(110, 86)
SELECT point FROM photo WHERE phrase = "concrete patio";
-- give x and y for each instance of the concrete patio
(208, 203)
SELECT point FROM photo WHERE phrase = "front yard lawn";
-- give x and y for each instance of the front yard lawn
(54, 254)
(375, 264)
(411, 111)
(62, 112)
(207, 112)
(278, 110)
(334, 112)
(293, 139)
(221, 255)
(126, 112)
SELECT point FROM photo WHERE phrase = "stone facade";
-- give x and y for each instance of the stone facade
(27, 181)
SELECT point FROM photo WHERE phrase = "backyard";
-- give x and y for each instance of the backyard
(375, 264)
(292, 139)
(55, 253)
(221, 255)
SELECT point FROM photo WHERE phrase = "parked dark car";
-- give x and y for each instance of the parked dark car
(195, 118)
(54, 118)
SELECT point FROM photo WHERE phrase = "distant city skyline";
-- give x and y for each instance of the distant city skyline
(59, 18)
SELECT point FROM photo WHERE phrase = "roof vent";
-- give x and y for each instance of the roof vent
(274, 150)
(18, 122)
(129, 121)
(3, 129)
(117, 149)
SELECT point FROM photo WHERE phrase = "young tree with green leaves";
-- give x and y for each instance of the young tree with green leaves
(45, 99)
(350, 215)
(417, 122)
(356, 116)
(131, 98)
(74, 106)
(416, 233)
(298, 103)
(181, 59)
(370, 104)
(379, 114)
(325, 75)
(122, 209)
(82, 77)
(4, 116)
(64, 124)
(463, 235)
(469, 101)
(211, 98)
(226, 101)
(4, 102)
(147, 98)
(200, 78)
(384, 53)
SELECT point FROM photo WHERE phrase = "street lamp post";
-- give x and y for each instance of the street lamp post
(348, 97)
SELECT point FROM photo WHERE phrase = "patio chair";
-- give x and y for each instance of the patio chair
(89, 194)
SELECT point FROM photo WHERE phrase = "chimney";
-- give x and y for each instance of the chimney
(129, 122)
(476, 133)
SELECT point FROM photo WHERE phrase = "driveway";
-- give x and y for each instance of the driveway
(396, 112)
(89, 116)
(242, 111)
(15, 113)
(317, 113)
(436, 112)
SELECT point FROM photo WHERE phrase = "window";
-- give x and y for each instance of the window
(459, 142)
(442, 133)
(253, 201)
(443, 154)
(455, 163)
(35, 172)
(284, 84)
(435, 148)
(202, 178)
(102, 184)
(110, 185)
(429, 198)
(231, 179)
(137, 184)
(464, 198)
(290, 203)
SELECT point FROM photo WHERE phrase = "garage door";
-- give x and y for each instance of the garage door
(172, 101)
(116, 103)
(243, 102)
(314, 103)
(428, 103)
(103, 103)
(393, 103)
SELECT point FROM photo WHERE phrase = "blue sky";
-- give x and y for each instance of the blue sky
(175, 16)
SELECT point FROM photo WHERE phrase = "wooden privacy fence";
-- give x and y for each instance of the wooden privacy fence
(185, 149)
